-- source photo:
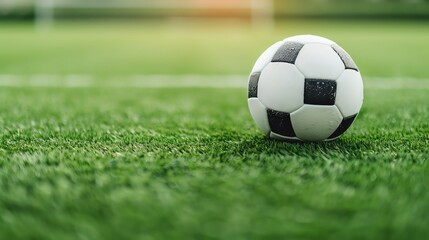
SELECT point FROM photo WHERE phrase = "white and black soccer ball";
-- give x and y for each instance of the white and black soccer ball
(305, 88)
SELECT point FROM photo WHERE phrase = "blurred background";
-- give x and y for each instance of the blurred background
(116, 40)
(62, 9)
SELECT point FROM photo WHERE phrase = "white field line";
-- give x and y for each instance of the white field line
(185, 81)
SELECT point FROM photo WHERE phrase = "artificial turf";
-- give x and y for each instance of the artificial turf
(188, 163)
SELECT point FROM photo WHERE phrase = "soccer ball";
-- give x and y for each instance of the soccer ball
(305, 88)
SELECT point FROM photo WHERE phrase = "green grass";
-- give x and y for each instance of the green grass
(392, 49)
(168, 163)
(189, 163)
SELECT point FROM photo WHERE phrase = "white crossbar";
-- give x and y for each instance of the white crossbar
(261, 10)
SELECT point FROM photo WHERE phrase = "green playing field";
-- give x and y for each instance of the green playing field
(96, 145)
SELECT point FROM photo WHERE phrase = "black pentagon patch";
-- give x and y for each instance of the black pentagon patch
(253, 85)
(280, 123)
(288, 52)
(345, 57)
(345, 124)
(320, 92)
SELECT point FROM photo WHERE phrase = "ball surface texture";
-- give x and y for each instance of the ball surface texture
(305, 88)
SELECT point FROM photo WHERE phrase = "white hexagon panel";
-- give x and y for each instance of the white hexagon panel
(304, 39)
(315, 123)
(259, 114)
(266, 57)
(349, 97)
(319, 61)
(280, 87)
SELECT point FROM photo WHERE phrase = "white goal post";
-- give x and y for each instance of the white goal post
(262, 12)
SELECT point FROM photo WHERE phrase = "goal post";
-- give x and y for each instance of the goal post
(262, 12)
(44, 14)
